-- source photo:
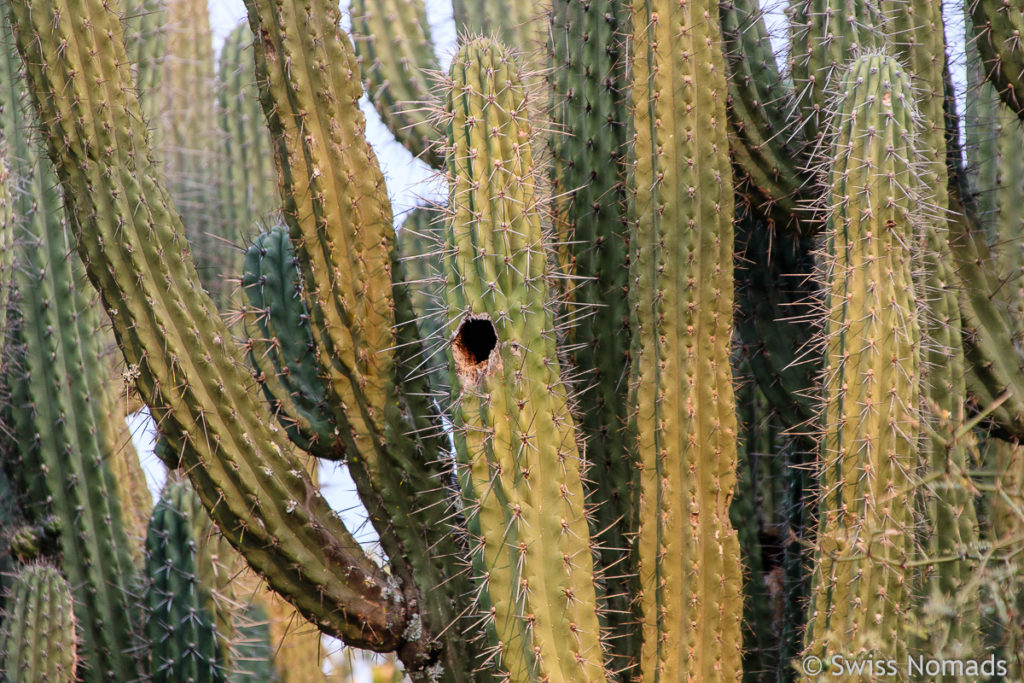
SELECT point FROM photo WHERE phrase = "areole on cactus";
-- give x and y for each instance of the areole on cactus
(536, 387)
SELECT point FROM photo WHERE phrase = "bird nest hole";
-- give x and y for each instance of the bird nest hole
(475, 349)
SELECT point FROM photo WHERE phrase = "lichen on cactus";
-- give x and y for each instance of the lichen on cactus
(519, 464)
(872, 379)
(37, 629)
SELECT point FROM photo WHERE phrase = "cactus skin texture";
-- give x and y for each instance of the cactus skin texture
(873, 371)
(253, 652)
(180, 626)
(681, 386)
(392, 41)
(248, 179)
(280, 341)
(7, 236)
(513, 430)
(997, 28)
(37, 632)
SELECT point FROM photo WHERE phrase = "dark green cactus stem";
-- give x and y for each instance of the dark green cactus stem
(519, 464)
(189, 372)
(591, 91)
(252, 660)
(764, 137)
(420, 242)
(824, 35)
(776, 294)
(280, 344)
(873, 367)
(998, 25)
(61, 429)
(682, 401)
(248, 179)
(917, 30)
(183, 639)
(396, 56)
(37, 630)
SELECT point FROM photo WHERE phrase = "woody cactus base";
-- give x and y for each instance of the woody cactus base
(707, 365)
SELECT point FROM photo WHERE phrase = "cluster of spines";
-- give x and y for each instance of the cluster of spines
(38, 643)
(872, 379)
(519, 464)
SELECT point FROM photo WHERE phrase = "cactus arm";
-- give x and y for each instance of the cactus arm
(180, 626)
(918, 30)
(998, 26)
(764, 140)
(682, 394)
(870, 443)
(590, 91)
(248, 179)
(280, 340)
(823, 35)
(392, 41)
(37, 632)
(520, 467)
(133, 247)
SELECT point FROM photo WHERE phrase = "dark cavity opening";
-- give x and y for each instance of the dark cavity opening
(475, 341)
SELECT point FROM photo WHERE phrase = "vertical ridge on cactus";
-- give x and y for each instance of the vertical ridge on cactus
(681, 392)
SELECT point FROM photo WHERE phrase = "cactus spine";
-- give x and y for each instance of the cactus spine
(681, 383)
(513, 430)
(37, 633)
(872, 376)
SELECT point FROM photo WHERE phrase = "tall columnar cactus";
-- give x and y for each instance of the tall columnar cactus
(590, 101)
(519, 463)
(37, 630)
(862, 590)
(180, 625)
(997, 27)
(682, 404)
(58, 382)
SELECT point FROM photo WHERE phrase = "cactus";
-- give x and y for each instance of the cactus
(37, 636)
(513, 428)
(873, 370)
(685, 430)
(180, 625)
(581, 531)
(253, 651)
(248, 180)
(997, 27)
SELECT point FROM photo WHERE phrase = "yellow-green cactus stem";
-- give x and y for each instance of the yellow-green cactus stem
(37, 630)
(681, 395)
(519, 462)
(862, 588)
(396, 57)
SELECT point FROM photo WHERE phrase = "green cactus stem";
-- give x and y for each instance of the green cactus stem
(145, 36)
(396, 57)
(7, 248)
(862, 589)
(519, 463)
(590, 92)
(253, 652)
(764, 139)
(823, 37)
(248, 179)
(133, 244)
(37, 631)
(180, 626)
(998, 25)
(681, 396)
(280, 341)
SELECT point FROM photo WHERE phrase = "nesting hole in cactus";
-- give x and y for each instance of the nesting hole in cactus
(473, 347)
